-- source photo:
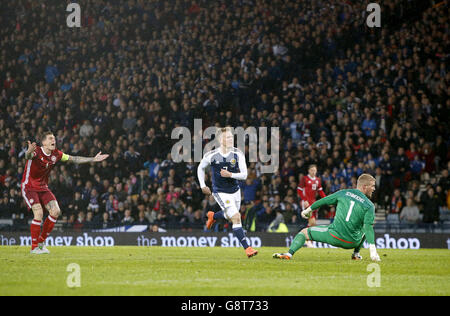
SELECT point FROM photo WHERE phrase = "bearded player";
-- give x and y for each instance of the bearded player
(39, 162)
(352, 225)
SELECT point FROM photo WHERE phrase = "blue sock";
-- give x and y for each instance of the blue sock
(240, 235)
(219, 215)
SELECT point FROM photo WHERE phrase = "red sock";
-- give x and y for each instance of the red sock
(35, 231)
(47, 229)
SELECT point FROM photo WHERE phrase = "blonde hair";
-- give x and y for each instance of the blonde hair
(312, 166)
(365, 179)
(223, 130)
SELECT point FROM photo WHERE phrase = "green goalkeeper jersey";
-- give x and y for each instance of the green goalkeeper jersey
(355, 215)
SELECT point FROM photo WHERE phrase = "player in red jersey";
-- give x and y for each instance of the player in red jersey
(307, 190)
(39, 162)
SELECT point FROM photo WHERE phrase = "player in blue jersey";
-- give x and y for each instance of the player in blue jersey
(228, 166)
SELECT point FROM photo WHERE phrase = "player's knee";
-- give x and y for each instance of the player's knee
(236, 218)
(38, 216)
(38, 213)
(54, 210)
(304, 231)
(56, 213)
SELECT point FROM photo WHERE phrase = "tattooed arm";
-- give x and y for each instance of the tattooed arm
(79, 160)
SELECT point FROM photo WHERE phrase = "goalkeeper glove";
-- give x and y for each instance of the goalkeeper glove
(373, 253)
(307, 213)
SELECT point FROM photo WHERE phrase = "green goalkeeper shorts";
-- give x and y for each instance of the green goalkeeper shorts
(322, 233)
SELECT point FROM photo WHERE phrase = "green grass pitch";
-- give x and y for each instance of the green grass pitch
(221, 271)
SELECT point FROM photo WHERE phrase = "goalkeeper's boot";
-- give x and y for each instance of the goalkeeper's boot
(210, 220)
(250, 252)
(44, 249)
(356, 256)
(283, 256)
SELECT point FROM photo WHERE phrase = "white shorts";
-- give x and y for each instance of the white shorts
(230, 203)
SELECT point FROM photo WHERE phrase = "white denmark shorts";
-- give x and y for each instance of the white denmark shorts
(230, 203)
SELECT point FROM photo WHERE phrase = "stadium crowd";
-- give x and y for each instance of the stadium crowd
(346, 97)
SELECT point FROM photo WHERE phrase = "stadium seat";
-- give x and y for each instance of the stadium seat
(446, 227)
(444, 214)
(380, 226)
(393, 221)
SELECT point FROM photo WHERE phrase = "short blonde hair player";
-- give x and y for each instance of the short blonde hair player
(352, 225)
(228, 166)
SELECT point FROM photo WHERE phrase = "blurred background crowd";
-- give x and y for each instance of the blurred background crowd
(348, 98)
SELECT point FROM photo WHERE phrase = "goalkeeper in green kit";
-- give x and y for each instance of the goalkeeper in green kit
(352, 225)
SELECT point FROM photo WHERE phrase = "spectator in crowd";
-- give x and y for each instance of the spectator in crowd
(112, 204)
(142, 220)
(89, 223)
(417, 166)
(105, 222)
(188, 219)
(93, 205)
(441, 195)
(150, 214)
(4, 207)
(369, 124)
(400, 164)
(249, 189)
(173, 219)
(430, 204)
(278, 224)
(127, 218)
(79, 222)
(444, 180)
(410, 213)
(198, 222)
(68, 222)
(86, 130)
(397, 202)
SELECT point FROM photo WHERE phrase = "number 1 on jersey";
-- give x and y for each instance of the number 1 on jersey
(352, 203)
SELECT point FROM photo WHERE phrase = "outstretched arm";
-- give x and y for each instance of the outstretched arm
(328, 200)
(331, 199)
(79, 160)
